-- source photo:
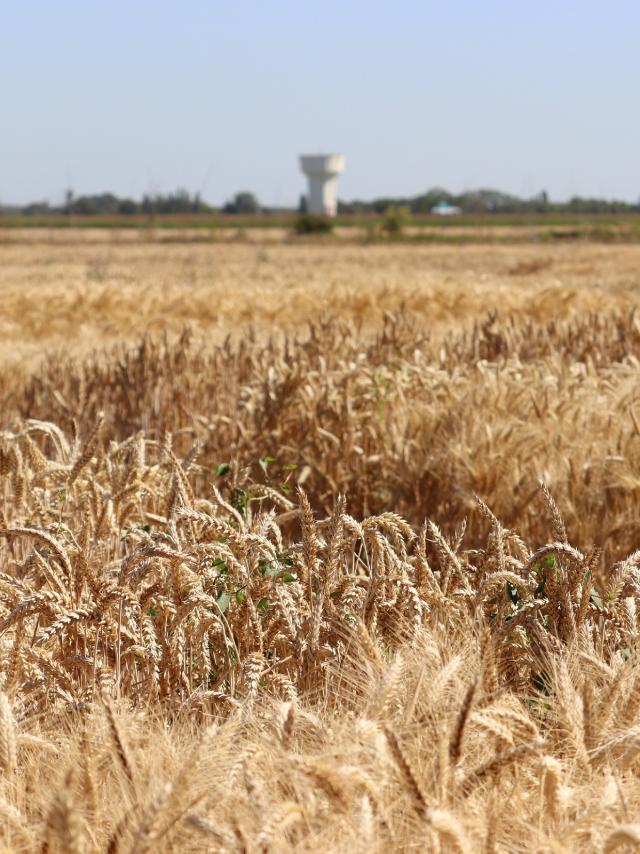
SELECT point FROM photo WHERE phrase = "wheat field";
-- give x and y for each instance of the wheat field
(319, 548)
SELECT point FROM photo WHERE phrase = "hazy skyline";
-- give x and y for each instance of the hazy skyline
(214, 97)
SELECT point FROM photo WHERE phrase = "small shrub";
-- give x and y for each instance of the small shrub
(395, 219)
(307, 223)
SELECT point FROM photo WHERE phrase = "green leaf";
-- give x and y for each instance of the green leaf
(152, 612)
(289, 466)
(222, 469)
(269, 569)
(146, 529)
(285, 487)
(288, 577)
(240, 596)
(240, 499)
(596, 599)
(223, 601)
(264, 463)
(218, 563)
(263, 605)
(549, 561)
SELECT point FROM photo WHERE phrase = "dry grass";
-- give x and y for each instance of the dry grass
(308, 594)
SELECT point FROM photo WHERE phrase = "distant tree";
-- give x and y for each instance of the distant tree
(395, 219)
(127, 206)
(179, 202)
(242, 203)
(102, 203)
(302, 204)
(539, 203)
(36, 209)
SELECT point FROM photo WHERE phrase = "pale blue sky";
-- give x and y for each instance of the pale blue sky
(143, 96)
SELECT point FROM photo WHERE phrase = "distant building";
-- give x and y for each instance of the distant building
(322, 172)
(445, 209)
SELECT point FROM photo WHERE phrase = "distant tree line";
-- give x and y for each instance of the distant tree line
(488, 201)
(108, 204)
(245, 202)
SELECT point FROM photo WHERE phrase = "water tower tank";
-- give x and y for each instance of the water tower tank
(322, 172)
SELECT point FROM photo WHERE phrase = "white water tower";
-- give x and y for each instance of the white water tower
(322, 171)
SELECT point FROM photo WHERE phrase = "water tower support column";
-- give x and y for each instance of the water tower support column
(322, 171)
